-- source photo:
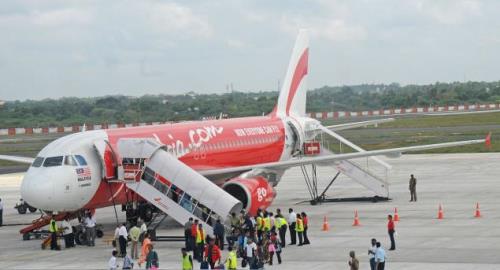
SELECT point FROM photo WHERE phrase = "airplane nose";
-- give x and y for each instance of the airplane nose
(37, 190)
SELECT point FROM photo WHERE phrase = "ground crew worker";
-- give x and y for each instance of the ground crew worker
(305, 221)
(281, 226)
(231, 261)
(53, 234)
(200, 243)
(187, 233)
(69, 238)
(391, 230)
(90, 229)
(300, 229)
(1, 212)
(187, 260)
(292, 219)
(194, 233)
(267, 223)
(353, 262)
(260, 225)
(413, 188)
(134, 233)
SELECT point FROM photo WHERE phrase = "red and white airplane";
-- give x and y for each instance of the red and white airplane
(243, 157)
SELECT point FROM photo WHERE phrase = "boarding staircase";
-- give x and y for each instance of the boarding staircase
(159, 177)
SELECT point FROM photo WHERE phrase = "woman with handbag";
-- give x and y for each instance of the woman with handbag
(152, 262)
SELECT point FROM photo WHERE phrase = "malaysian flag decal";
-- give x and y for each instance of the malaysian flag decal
(83, 174)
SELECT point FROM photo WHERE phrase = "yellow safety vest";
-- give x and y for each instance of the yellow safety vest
(267, 224)
(200, 236)
(186, 263)
(277, 223)
(232, 262)
(283, 222)
(300, 225)
(52, 227)
(259, 223)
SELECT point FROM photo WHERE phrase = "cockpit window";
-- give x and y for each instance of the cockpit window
(53, 161)
(81, 160)
(70, 160)
(38, 162)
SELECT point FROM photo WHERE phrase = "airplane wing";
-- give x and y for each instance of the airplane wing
(26, 160)
(319, 159)
(359, 124)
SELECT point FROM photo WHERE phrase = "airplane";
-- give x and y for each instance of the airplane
(202, 169)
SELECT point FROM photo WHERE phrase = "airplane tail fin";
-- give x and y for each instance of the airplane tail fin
(292, 96)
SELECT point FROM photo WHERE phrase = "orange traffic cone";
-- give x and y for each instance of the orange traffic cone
(478, 213)
(326, 227)
(396, 215)
(356, 219)
(440, 212)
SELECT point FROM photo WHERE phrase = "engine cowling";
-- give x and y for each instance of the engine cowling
(255, 193)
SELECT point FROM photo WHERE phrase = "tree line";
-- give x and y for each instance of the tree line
(192, 106)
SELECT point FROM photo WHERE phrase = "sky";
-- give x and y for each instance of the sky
(84, 48)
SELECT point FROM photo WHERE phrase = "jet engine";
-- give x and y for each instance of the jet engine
(255, 193)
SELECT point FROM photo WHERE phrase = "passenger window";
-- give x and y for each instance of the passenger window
(70, 161)
(53, 161)
(81, 160)
(38, 162)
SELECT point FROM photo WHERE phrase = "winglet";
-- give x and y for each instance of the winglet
(487, 141)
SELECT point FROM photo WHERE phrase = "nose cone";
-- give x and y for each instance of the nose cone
(37, 190)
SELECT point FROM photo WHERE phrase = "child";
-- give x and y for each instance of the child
(112, 261)
(271, 248)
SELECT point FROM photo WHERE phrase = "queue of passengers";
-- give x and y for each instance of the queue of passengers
(254, 239)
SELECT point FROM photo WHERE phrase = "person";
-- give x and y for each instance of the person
(353, 262)
(391, 231)
(299, 229)
(231, 261)
(127, 262)
(379, 257)
(277, 244)
(259, 219)
(250, 251)
(235, 221)
(212, 254)
(144, 250)
(134, 233)
(413, 188)
(152, 261)
(219, 234)
(53, 234)
(187, 234)
(194, 233)
(292, 219)
(200, 242)
(305, 220)
(271, 249)
(371, 253)
(69, 238)
(122, 239)
(187, 260)
(282, 226)
(90, 229)
(144, 230)
(112, 264)
(1, 212)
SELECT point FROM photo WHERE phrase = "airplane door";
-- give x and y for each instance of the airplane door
(108, 159)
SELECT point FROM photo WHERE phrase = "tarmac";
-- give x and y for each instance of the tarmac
(459, 241)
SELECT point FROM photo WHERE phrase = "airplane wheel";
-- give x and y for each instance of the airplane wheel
(26, 237)
(80, 238)
(21, 209)
(99, 233)
(32, 209)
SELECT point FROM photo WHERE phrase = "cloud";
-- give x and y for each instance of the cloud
(326, 28)
(173, 17)
(235, 43)
(450, 12)
(61, 17)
